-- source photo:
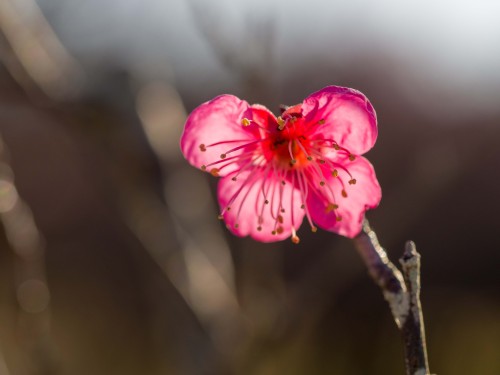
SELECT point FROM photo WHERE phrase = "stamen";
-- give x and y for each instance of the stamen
(214, 172)
(203, 148)
(335, 173)
(281, 123)
(331, 207)
(245, 121)
(339, 218)
(344, 193)
(352, 157)
(223, 156)
(352, 181)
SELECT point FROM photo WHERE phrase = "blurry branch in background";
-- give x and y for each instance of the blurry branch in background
(36, 354)
(34, 55)
(402, 293)
(249, 57)
(201, 269)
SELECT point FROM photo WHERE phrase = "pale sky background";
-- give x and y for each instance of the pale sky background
(451, 45)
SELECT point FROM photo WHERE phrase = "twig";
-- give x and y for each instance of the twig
(401, 290)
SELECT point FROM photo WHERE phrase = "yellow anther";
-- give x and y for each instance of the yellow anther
(352, 157)
(293, 161)
(203, 148)
(314, 229)
(295, 239)
(321, 122)
(336, 146)
(339, 218)
(281, 123)
(335, 173)
(352, 182)
(223, 156)
(245, 122)
(331, 207)
(214, 172)
(344, 193)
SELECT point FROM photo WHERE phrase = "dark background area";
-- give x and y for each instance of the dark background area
(112, 260)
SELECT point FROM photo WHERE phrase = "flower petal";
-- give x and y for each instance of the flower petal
(364, 194)
(218, 120)
(344, 115)
(248, 211)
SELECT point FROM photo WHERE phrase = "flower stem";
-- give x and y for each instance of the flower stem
(401, 290)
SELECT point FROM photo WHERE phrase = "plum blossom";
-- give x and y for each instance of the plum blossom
(277, 170)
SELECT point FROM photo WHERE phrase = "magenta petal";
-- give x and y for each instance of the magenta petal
(344, 115)
(248, 211)
(361, 196)
(218, 120)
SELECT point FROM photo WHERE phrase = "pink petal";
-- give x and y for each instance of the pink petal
(363, 195)
(243, 217)
(215, 121)
(349, 118)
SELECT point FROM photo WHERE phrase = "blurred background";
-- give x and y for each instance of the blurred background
(112, 260)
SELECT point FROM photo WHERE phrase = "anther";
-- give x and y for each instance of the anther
(302, 206)
(281, 123)
(203, 167)
(228, 208)
(344, 193)
(214, 172)
(322, 183)
(331, 207)
(236, 225)
(280, 230)
(321, 161)
(314, 229)
(293, 161)
(220, 217)
(283, 210)
(283, 182)
(309, 158)
(223, 156)
(335, 173)
(339, 218)
(352, 181)
(352, 157)
(266, 202)
(295, 239)
(336, 146)
(203, 148)
(234, 178)
(259, 228)
(245, 121)
(280, 219)
(321, 122)
(273, 232)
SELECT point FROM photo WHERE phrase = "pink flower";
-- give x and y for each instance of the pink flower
(275, 171)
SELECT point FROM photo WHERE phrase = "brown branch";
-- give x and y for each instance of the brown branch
(401, 290)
